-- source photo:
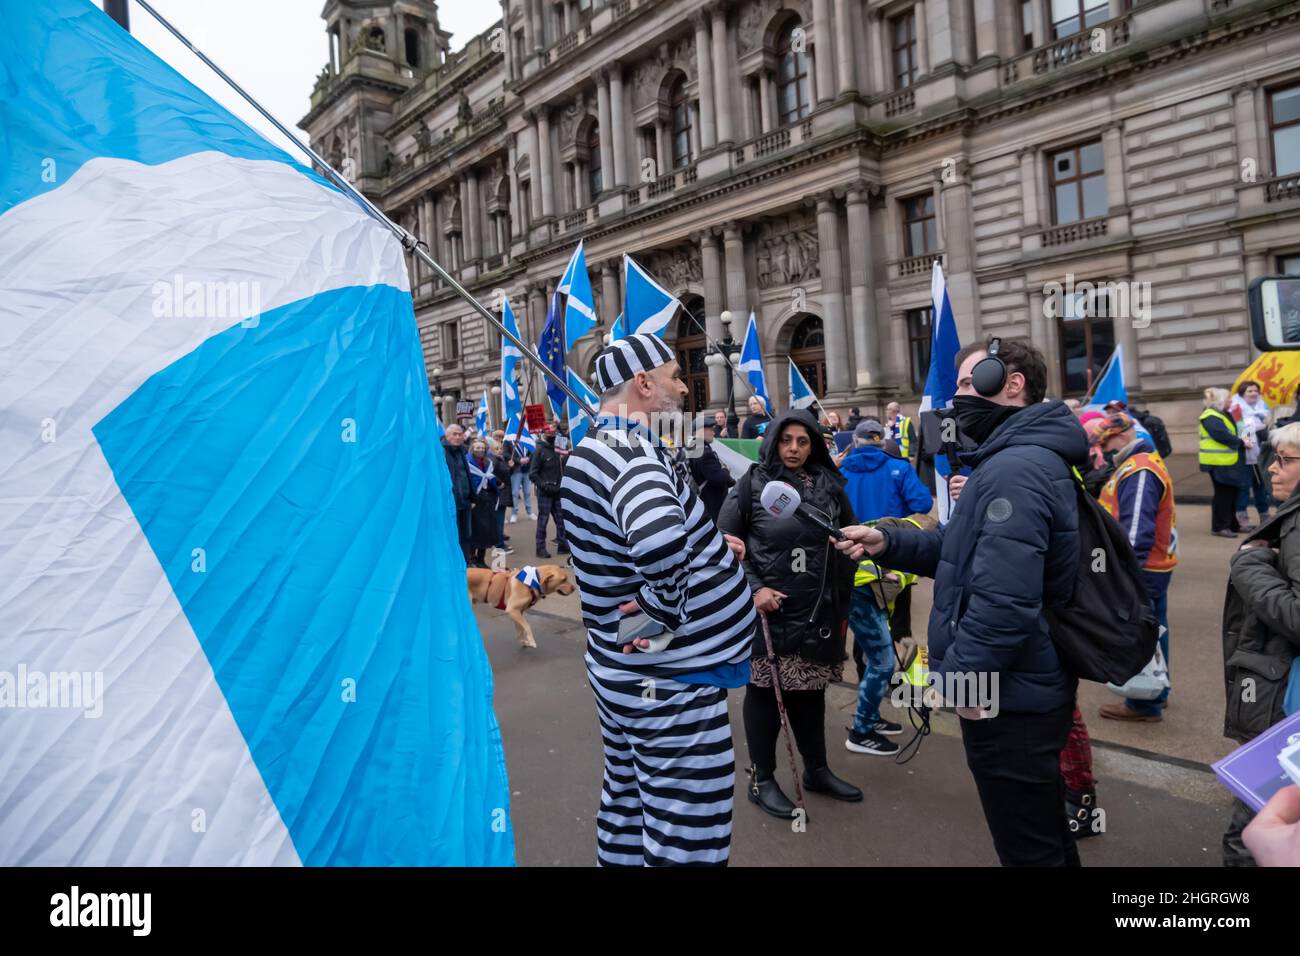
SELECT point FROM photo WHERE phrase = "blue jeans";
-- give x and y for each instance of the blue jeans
(520, 480)
(1158, 589)
(1260, 490)
(871, 633)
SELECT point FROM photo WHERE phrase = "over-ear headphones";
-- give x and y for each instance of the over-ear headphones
(990, 373)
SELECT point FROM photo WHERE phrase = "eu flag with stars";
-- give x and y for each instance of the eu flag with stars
(551, 349)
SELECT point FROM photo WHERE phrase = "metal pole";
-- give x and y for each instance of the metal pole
(409, 242)
(119, 11)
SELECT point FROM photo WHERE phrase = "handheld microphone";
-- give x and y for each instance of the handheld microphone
(780, 499)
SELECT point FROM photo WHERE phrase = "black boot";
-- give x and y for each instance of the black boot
(764, 791)
(822, 780)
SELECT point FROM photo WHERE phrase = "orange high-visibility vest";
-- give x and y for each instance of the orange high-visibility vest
(1164, 552)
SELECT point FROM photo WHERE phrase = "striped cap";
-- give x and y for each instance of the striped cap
(623, 359)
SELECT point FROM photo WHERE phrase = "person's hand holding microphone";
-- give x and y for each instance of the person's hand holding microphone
(860, 540)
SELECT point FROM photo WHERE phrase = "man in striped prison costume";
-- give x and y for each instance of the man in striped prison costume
(643, 544)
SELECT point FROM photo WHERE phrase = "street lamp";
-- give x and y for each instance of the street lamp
(438, 397)
(725, 355)
(496, 397)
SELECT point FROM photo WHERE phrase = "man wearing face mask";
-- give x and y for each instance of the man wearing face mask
(1010, 549)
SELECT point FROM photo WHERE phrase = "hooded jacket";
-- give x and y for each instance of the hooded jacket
(546, 467)
(1261, 625)
(792, 556)
(882, 485)
(1011, 547)
(459, 472)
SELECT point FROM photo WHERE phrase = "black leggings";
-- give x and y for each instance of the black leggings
(807, 712)
(1223, 507)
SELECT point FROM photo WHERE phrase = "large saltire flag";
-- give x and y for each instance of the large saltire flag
(941, 379)
(1112, 388)
(801, 393)
(225, 518)
(751, 363)
(579, 421)
(579, 303)
(512, 403)
(647, 306)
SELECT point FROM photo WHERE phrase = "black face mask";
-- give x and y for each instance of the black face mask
(978, 417)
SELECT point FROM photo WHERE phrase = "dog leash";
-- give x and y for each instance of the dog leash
(780, 707)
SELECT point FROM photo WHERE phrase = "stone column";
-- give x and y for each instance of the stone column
(609, 299)
(1247, 127)
(530, 32)
(722, 76)
(474, 229)
(663, 152)
(536, 318)
(876, 50)
(1031, 203)
(544, 165)
(516, 211)
(714, 303)
(465, 234)
(603, 117)
(1041, 33)
(832, 295)
(920, 26)
(704, 62)
(1112, 144)
(866, 329)
(843, 48)
(824, 55)
(1042, 333)
(737, 291)
(429, 233)
(615, 75)
(766, 102)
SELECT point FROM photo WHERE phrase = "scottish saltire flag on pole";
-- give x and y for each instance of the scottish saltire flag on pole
(941, 380)
(526, 440)
(801, 395)
(481, 416)
(619, 329)
(551, 350)
(579, 304)
(225, 518)
(578, 419)
(512, 403)
(751, 363)
(1111, 387)
(647, 306)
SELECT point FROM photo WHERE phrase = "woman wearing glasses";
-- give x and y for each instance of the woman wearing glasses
(1261, 623)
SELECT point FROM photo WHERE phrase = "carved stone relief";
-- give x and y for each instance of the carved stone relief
(676, 268)
(787, 251)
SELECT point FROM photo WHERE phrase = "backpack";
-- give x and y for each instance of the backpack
(1159, 434)
(1106, 631)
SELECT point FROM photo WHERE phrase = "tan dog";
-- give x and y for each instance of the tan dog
(506, 592)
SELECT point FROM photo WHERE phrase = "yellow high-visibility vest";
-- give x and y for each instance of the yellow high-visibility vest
(1214, 452)
(904, 436)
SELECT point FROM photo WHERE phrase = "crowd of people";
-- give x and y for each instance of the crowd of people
(1008, 551)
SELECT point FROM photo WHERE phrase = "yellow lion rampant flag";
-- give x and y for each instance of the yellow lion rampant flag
(1278, 374)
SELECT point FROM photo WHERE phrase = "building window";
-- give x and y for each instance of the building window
(919, 336)
(1086, 331)
(808, 352)
(920, 228)
(594, 183)
(526, 205)
(793, 96)
(1284, 130)
(1074, 16)
(1078, 183)
(413, 48)
(1027, 24)
(450, 342)
(1289, 265)
(902, 32)
(680, 108)
(692, 346)
(649, 144)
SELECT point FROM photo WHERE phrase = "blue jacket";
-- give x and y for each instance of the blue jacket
(1011, 546)
(881, 485)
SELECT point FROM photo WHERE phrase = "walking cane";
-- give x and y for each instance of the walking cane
(780, 707)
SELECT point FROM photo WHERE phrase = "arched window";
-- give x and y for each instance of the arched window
(594, 183)
(681, 113)
(793, 97)
(808, 352)
(413, 48)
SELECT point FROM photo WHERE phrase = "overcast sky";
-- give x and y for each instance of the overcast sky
(273, 48)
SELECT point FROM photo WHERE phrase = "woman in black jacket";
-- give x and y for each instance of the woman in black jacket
(483, 503)
(803, 586)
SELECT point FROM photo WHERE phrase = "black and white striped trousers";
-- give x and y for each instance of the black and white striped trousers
(670, 771)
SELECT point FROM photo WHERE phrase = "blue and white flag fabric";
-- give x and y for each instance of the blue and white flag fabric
(526, 442)
(578, 419)
(751, 363)
(579, 303)
(481, 417)
(941, 380)
(619, 329)
(512, 403)
(1112, 388)
(226, 523)
(551, 350)
(647, 306)
(801, 394)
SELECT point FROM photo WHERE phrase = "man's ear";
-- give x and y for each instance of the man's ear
(1015, 387)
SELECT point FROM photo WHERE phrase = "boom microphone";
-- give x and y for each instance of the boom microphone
(780, 499)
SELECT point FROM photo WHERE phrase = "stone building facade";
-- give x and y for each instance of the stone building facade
(809, 160)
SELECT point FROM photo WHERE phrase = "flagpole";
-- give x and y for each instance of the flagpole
(409, 242)
(1101, 377)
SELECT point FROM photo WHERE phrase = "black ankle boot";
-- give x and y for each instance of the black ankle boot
(764, 791)
(822, 780)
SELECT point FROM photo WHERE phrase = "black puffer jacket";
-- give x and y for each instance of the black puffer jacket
(792, 556)
(546, 468)
(1261, 625)
(459, 472)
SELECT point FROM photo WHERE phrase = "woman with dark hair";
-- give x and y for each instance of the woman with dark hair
(803, 586)
(1254, 421)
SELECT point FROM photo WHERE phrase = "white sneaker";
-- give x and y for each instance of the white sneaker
(514, 518)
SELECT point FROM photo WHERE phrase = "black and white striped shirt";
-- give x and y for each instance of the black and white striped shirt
(639, 532)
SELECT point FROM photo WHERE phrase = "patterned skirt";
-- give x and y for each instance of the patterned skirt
(797, 673)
